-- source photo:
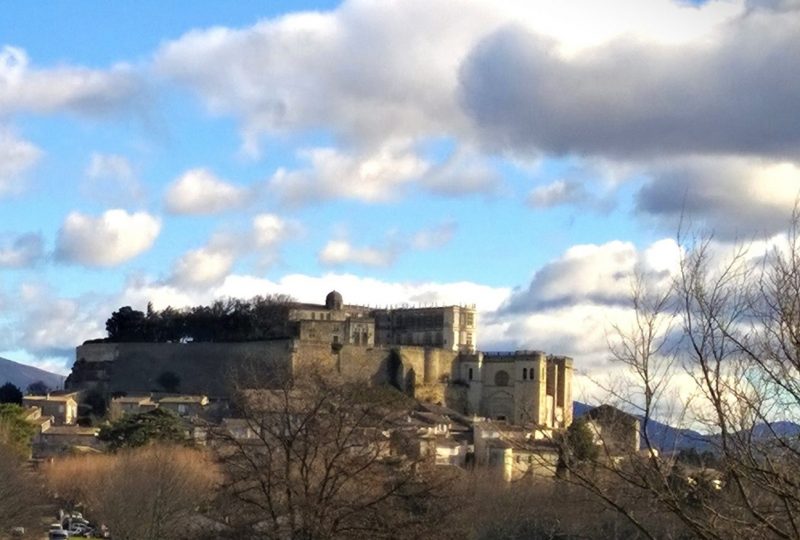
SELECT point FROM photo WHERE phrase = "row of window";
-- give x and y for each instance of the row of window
(501, 377)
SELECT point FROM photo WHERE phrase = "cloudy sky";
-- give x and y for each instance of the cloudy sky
(523, 156)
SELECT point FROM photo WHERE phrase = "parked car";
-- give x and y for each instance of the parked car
(81, 529)
(57, 534)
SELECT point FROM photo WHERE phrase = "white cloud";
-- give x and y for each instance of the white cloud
(434, 237)
(557, 193)
(51, 325)
(16, 157)
(74, 89)
(21, 251)
(111, 179)
(202, 267)
(340, 252)
(108, 240)
(494, 77)
(104, 165)
(373, 176)
(464, 172)
(210, 264)
(268, 230)
(374, 71)
(199, 191)
(358, 290)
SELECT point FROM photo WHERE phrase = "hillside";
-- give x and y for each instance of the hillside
(22, 375)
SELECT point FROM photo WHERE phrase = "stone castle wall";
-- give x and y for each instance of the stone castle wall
(203, 368)
(210, 368)
(521, 387)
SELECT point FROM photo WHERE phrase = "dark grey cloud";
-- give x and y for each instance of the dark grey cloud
(599, 275)
(587, 274)
(735, 197)
(736, 93)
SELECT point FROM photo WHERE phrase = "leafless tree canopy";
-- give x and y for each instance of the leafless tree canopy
(20, 501)
(149, 493)
(728, 327)
(321, 459)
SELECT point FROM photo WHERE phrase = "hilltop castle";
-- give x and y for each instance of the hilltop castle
(428, 352)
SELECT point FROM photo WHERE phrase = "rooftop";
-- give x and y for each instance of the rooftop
(72, 430)
(51, 397)
(184, 399)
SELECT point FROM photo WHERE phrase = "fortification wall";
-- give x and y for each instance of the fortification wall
(209, 368)
(203, 368)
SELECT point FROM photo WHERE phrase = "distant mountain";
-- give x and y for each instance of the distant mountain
(667, 438)
(21, 375)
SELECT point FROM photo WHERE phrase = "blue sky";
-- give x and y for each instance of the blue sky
(523, 156)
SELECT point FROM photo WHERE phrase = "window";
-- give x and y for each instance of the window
(336, 339)
(328, 316)
(313, 316)
(501, 378)
(469, 338)
(524, 373)
(470, 319)
(470, 373)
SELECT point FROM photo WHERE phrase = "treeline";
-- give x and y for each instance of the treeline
(261, 317)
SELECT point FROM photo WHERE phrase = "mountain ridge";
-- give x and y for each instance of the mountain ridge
(668, 439)
(22, 375)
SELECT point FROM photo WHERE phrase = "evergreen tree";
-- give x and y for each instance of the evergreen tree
(9, 393)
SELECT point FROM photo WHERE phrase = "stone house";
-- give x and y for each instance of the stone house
(63, 439)
(184, 405)
(616, 432)
(514, 452)
(62, 407)
(120, 406)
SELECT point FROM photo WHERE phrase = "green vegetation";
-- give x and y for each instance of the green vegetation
(37, 388)
(141, 429)
(10, 394)
(580, 443)
(261, 317)
(15, 431)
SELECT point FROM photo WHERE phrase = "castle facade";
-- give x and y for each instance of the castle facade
(429, 352)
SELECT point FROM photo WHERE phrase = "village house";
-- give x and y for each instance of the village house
(120, 406)
(184, 405)
(615, 432)
(57, 440)
(514, 452)
(62, 407)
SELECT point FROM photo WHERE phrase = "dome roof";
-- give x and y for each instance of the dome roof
(334, 300)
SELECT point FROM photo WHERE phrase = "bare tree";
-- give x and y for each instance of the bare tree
(729, 329)
(318, 458)
(20, 502)
(152, 492)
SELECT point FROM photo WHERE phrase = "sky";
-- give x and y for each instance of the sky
(527, 157)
